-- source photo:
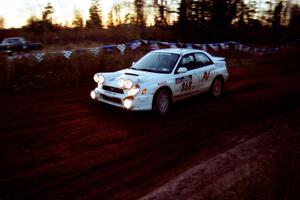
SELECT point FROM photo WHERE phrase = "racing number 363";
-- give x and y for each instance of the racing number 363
(186, 85)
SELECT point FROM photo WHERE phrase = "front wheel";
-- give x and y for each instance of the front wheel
(162, 102)
(217, 87)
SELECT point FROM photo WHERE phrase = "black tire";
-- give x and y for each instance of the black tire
(162, 102)
(217, 87)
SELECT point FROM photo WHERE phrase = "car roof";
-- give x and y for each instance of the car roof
(12, 38)
(180, 51)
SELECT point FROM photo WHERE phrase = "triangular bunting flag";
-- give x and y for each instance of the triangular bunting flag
(109, 48)
(172, 45)
(189, 46)
(165, 43)
(214, 46)
(154, 46)
(27, 55)
(67, 54)
(246, 49)
(223, 46)
(39, 56)
(122, 48)
(11, 58)
(95, 50)
(135, 45)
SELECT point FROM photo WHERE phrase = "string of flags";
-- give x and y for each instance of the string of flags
(39, 56)
(122, 48)
(153, 45)
(95, 51)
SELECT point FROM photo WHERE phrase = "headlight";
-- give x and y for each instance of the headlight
(134, 91)
(128, 84)
(93, 94)
(96, 78)
(127, 103)
(121, 82)
(99, 78)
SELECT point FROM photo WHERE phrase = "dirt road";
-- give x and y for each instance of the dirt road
(62, 145)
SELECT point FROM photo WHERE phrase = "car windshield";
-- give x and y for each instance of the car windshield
(157, 62)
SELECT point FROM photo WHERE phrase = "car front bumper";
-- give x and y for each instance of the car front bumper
(138, 102)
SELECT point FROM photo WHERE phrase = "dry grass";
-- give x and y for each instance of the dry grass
(55, 71)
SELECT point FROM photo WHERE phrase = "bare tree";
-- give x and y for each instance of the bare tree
(220, 15)
(1, 22)
(277, 14)
(110, 22)
(252, 10)
(160, 17)
(241, 14)
(95, 20)
(139, 12)
(200, 10)
(47, 13)
(183, 12)
(78, 19)
(294, 23)
(117, 13)
(163, 10)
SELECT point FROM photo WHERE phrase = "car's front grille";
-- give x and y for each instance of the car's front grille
(112, 99)
(112, 89)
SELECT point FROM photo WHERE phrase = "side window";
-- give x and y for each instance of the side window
(187, 61)
(202, 60)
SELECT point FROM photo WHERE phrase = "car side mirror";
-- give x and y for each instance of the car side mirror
(182, 70)
(133, 63)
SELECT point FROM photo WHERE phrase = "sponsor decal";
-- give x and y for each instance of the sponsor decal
(187, 85)
(206, 76)
(183, 79)
(186, 82)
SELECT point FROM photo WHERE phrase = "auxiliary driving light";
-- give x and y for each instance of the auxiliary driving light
(99, 78)
(93, 94)
(121, 82)
(128, 84)
(134, 91)
(127, 103)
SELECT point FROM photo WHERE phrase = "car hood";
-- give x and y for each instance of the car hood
(136, 76)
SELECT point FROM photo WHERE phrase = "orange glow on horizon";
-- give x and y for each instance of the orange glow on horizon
(16, 14)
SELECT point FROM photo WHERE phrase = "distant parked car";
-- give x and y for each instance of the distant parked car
(18, 44)
(160, 78)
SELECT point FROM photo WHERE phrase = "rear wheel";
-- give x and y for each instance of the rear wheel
(162, 102)
(217, 87)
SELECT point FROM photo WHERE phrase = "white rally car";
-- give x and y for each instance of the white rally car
(160, 78)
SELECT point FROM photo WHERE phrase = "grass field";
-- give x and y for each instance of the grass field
(55, 71)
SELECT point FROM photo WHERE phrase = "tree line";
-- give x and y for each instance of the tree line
(205, 19)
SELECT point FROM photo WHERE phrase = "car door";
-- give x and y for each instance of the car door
(204, 68)
(185, 83)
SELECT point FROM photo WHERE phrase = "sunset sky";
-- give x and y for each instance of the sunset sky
(16, 12)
